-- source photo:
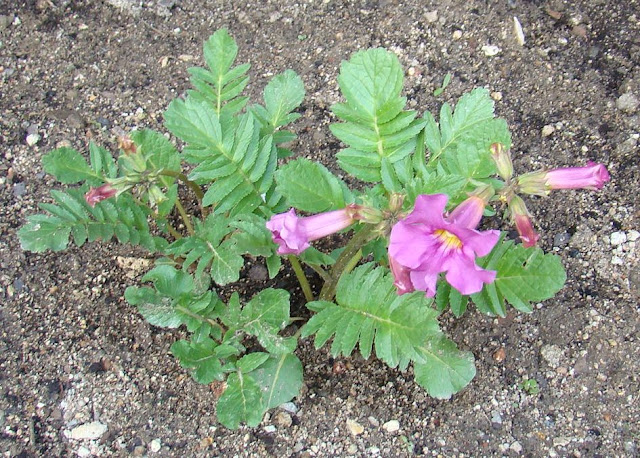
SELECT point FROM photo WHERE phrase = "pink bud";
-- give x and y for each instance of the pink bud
(522, 219)
(95, 195)
(593, 176)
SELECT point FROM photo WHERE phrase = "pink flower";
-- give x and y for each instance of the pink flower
(522, 218)
(426, 244)
(593, 176)
(95, 195)
(293, 233)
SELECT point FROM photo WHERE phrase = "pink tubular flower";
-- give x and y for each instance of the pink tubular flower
(95, 195)
(592, 176)
(293, 233)
(522, 218)
(425, 244)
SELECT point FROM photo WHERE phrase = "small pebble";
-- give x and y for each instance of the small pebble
(551, 354)
(283, 419)
(289, 407)
(548, 130)
(457, 34)
(632, 236)
(5, 21)
(155, 445)
(516, 447)
(373, 421)
(19, 189)
(88, 431)
(355, 428)
(561, 240)
(496, 418)
(431, 16)
(627, 102)
(491, 50)
(269, 429)
(391, 426)
(33, 139)
(618, 238)
(352, 449)
(83, 451)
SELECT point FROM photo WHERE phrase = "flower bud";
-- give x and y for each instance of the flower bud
(95, 195)
(522, 220)
(502, 158)
(593, 176)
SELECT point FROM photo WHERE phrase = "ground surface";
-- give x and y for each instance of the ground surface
(73, 351)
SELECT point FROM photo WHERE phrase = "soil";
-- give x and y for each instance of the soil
(73, 352)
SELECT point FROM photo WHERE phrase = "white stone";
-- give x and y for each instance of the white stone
(618, 238)
(516, 447)
(431, 16)
(548, 130)
(355, 428)
(83, 451)
(269, 429)
(87, 431)
(627, 102)
(633, 236)
(33, 139)
(289, 407)
(391, 426)
(155, 445)
(551, 354)
(491, 50)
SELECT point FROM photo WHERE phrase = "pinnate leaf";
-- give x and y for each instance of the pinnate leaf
(68, 166)
(368, 311)
(311, 187)
(524, 275)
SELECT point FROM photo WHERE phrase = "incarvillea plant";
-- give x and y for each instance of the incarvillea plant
(412, 248)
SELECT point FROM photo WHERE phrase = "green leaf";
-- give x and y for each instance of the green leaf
(201, 357)
(369, 311)
(252, 361)
(311, 187)
(280, 379)
(169, 281)
(71, 215)
(44, 232)
(68, 166)
(211, 249)
(221, 84)
(240, 402)
(159, 152)
(102, 161)
(157, 310)
(264, 316)
(445, 370)
(376, 129)
(524, 275)
(283, 94)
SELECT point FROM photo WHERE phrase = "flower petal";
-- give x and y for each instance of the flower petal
(409, 244)
(465, 276)
(428, 210)
(424, 281)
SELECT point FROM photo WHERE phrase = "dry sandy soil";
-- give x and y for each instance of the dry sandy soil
(72, 351)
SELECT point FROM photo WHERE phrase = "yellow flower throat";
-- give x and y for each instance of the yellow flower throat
(449, 240)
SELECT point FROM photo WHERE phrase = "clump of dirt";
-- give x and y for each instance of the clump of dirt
(83, 374)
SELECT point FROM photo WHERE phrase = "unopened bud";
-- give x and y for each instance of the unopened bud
(502, 158)
(126, 144)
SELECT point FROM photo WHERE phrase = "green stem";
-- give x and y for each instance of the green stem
(185, 217)
(302, 279)
(154, 214)
(320, 271)
(347, 260)
(188, 312)
(197, 190)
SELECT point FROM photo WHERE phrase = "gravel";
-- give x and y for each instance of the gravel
(77, 70)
